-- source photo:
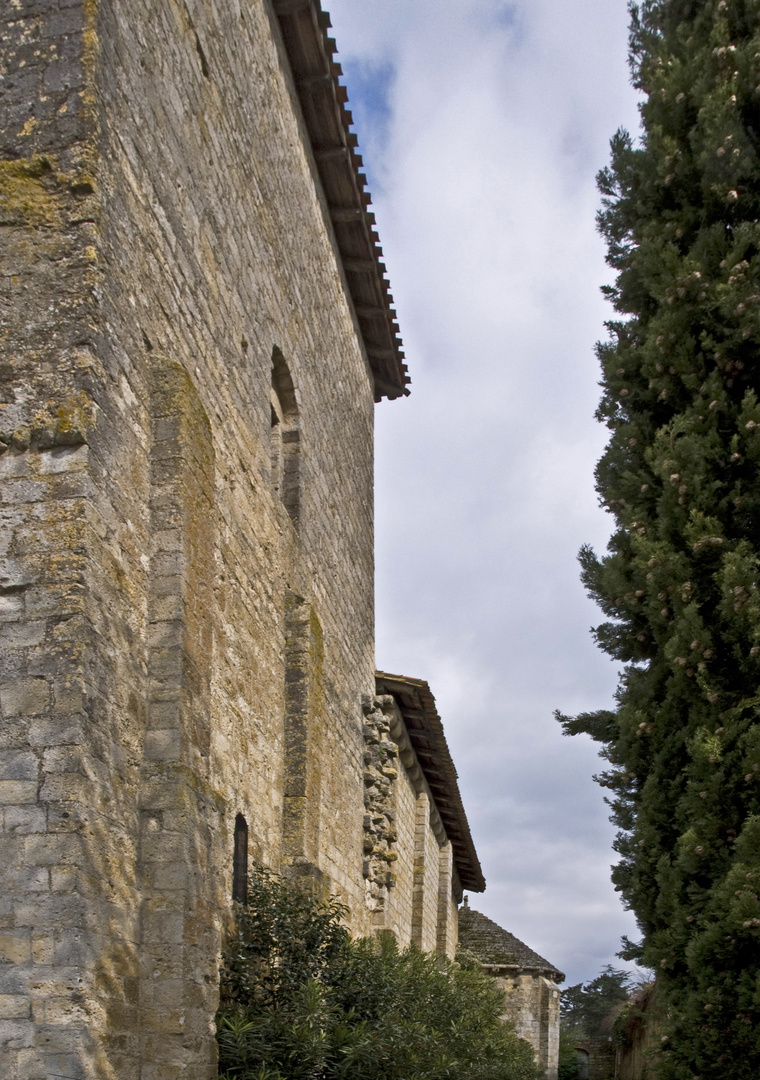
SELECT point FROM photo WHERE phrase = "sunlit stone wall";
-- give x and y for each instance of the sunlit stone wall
(180, 645)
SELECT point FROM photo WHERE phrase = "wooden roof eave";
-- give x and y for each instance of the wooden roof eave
(323, 102)
(413, 697)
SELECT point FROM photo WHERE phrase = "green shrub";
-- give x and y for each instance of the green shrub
(568, 1055)
(302, 1001)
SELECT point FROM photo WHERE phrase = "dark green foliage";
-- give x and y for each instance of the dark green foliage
(638, 1027)
(284, 938)
(568, 1055)
(302, 1001)
(590, 1011)
(681, 475)
(589, 1008)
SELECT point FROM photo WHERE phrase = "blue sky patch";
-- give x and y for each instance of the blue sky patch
(369, 89)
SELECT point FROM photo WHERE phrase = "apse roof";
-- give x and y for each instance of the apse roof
(497, 947)
(304, 27)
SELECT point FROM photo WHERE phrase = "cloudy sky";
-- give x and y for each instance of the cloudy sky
(483, 124)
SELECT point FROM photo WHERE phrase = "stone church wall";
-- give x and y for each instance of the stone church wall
(166, 601)
(412, 884)
(427, 866)
(401, 898)
(597, 1059)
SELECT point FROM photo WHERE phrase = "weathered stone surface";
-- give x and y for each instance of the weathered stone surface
(411, 884)
(186, 537)
(164, 232)
(599, 1059)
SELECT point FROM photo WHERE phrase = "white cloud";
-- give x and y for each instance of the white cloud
(493, 121)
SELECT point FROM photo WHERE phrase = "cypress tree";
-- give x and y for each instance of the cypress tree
(681, 476)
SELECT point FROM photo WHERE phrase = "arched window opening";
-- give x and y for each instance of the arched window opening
(240, 861)
(285, 438)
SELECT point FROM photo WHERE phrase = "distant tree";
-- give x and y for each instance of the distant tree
(681, 476)
(588, 1011)
(587, 1008)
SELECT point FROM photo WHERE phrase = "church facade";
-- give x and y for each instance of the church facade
(195, 332)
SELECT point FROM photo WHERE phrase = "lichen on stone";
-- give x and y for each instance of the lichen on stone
(63, 423)
(27, 193)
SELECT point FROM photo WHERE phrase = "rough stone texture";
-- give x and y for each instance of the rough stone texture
(186, 540)
(427, 866)
(175, 651)
(405, 810)
(531, 1003)
(179, 809)
(408, 869)
(642, 1030)
(529, 983)
(495, 945)
(597, 1059)
(449, 892)
(381, 809)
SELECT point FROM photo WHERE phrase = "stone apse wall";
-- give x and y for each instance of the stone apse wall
(527, 981)
(531, 1003)
(186, 536)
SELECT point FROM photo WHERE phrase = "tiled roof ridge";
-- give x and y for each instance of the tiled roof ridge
(494, 946)
(304, 27)
(425, 730)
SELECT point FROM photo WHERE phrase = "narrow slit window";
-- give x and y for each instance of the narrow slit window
(285, 438)
(275, 443)
(240, 861)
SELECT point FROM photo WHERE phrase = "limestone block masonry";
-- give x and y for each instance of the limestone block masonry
(178, 647)
(190, 355)
(412, 885)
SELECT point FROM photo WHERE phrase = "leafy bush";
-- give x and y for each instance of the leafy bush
(568, 1055)
(302, 1001)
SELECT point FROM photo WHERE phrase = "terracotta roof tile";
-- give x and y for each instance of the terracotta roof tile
(323, 103)
(425, 731)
